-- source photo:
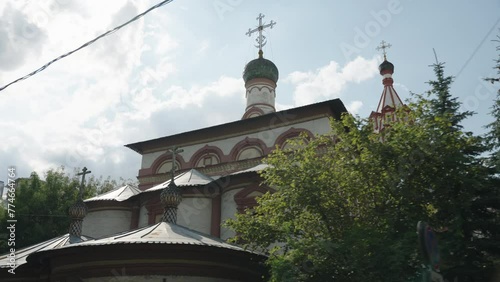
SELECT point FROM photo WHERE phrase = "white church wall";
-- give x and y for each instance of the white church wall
(148, 159)
(228, 210)
(316, 126)
(195, 213)
(106, 222)
(261, 95)
(143, 216)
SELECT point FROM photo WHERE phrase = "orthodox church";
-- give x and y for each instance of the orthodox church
(169, 227)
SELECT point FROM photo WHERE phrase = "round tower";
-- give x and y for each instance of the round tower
(260, 76)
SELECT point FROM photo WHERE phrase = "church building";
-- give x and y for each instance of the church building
(169, 227)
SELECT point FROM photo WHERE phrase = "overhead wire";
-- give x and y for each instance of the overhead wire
(87, 43)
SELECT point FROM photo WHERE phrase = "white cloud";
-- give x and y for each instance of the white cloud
(59, 112)
(328, 81)
(354, 107)
(123, 89)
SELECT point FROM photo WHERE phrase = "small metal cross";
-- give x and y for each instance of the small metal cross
(84, 171)
(384, 45)
(174, 150)
(261, 39)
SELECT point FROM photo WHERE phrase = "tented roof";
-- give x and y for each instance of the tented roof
(119, 194)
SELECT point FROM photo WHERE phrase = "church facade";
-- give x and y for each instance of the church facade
(137, 232)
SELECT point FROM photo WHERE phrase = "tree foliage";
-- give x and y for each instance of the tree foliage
(493, 136)
(346, 204)
(41, 206)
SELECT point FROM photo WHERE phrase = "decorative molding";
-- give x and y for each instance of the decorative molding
(243, 201)
(149, 181)
(207, 149)
(259, 88)
(248, 142)
(259, 106)
(291, 133)
(167, 156)
(251, 111)
(260, 81)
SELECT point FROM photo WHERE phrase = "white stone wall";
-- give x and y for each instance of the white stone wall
(143, 217)
(318, 126)
(122, 277)
(106, 222)
(195, 213)
(228, 210)
(260, 94)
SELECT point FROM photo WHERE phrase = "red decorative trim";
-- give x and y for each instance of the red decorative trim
(248, 142)
(388, 109)
(251, 111)
(270, 88)
(388, 81)
(153, 206)
(244, 202)
(291, 133)
(207, 149)
(216, 216)
(166, 157)
(260, 104)
(386, 72)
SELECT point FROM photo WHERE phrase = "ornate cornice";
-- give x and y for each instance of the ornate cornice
(218, 169)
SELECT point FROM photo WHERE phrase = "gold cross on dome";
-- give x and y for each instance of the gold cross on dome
(383, 46)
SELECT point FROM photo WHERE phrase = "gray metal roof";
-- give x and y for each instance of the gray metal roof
(22, 254)
(161, 233)
(119, 194)
(252, 169)
(188, 178)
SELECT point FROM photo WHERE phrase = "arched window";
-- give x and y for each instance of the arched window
(206, 156)
(285, 140)
(207, 159)
(166, 166)
(249, 152)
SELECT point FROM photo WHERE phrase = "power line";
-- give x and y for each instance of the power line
(87, 43)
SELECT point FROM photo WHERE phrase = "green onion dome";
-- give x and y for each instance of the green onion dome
(260, 68)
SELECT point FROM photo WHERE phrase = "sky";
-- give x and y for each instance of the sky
(179, 68)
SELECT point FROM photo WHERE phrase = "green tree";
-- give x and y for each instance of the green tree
(493, 135)
(466, 193)
(346, 205)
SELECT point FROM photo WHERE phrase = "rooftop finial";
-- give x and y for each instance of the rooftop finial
(383, 46)
(78, 211)
(83, 173)
(171, 195)
(261, 39)
(174, 150)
